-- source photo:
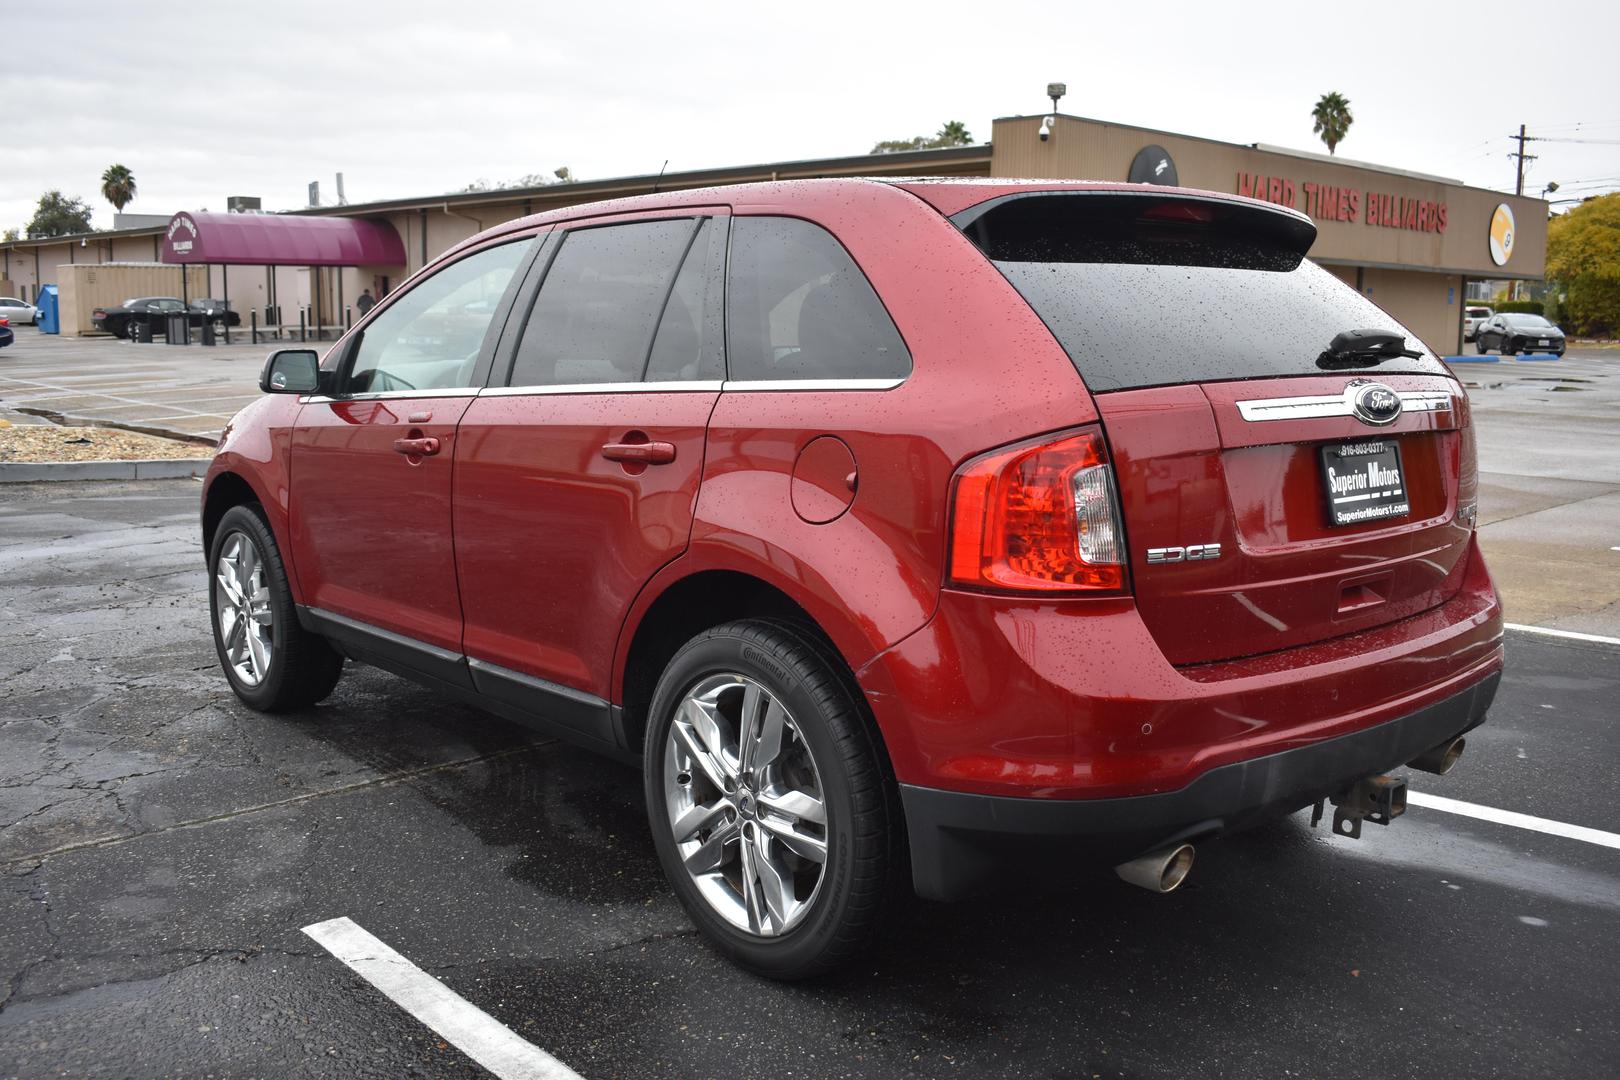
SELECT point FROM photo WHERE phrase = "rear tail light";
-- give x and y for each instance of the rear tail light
(1038, 517)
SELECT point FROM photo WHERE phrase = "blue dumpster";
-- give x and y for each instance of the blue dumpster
(50, 316)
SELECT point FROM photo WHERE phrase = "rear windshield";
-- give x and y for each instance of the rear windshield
(1147, 290)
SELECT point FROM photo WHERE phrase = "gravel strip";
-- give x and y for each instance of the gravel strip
(41, 443)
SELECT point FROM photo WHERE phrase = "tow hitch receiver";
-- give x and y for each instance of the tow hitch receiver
(1379, 799)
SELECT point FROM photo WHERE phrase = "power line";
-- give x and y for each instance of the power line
(1595, 142)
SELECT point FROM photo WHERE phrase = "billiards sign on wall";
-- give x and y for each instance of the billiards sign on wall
(1334, 202)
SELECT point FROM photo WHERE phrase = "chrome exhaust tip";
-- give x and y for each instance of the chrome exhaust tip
(1159, 871)
(1440, 759)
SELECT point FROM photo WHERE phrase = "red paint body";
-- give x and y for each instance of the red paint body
(522, 545)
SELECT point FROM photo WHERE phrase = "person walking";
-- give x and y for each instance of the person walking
(365, 303)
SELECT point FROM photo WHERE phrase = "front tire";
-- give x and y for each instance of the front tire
(770, 806)
(272, 663)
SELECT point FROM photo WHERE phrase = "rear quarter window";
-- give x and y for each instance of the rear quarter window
(797, 307)
(1151, 291)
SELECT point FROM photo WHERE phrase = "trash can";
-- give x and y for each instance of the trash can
(141, 331)
(50, 317)
(207, 330)
(178, 330)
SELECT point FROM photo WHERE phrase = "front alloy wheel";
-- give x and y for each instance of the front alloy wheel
(242, 606)
(272, 663)
(745, 804)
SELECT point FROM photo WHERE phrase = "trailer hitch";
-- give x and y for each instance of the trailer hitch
(1378, 799)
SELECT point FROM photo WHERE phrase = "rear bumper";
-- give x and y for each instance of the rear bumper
(962, 843)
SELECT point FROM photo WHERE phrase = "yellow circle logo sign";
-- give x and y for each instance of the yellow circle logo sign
(1502, 234)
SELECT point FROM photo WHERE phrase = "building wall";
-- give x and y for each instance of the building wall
(87, 286)
(1087, 149)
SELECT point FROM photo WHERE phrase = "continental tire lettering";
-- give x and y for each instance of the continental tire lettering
(753, 655)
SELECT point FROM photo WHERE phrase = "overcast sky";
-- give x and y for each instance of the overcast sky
(202, 101)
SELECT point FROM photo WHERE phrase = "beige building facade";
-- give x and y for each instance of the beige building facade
(1407, 241)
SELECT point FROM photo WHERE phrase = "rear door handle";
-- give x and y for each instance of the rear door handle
(419, 447)
(646, 453)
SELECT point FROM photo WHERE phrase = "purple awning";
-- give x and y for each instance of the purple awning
(280, 240)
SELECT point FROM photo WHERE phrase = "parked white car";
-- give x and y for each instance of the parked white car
(18, 312)
(1472, 317)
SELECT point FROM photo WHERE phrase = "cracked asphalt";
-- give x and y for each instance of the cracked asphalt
(161, 846)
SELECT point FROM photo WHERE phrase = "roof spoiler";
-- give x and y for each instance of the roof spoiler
(1126, 226)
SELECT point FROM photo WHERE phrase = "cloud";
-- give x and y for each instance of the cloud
(206, 101)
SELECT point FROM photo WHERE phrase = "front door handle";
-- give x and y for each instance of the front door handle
(417, 447)
(644, 453)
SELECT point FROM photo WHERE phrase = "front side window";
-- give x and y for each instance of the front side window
(797, 307)
(602, 298)
(429, 338)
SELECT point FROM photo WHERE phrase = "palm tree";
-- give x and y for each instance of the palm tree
(118, 186)
(1332, 119)
(954, 133)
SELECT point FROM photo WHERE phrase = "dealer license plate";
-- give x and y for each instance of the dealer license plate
(1363, 482)
(1544, 341)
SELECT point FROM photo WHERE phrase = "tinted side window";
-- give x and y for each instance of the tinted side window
(687, 345)
(429, 338)
(594, 317)
(799, 308)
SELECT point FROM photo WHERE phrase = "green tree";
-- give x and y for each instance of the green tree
(954, 133)
(1583, 260)
(11, 234)
(118, 186)
(1331, 119)
(59, 215)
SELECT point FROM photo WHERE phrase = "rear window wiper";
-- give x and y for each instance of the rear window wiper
(1365, 348)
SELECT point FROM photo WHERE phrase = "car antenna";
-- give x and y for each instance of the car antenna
(660, 175)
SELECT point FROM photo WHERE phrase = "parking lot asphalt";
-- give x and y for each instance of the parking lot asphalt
(181, 390)
(162, 847)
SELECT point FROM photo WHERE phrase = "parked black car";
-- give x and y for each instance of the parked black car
(1516, 332)
(218, 310)
(121, 321)
(7, 335)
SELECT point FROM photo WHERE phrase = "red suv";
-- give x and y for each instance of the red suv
(943, 529)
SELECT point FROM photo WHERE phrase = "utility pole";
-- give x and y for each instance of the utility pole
(1518, 187)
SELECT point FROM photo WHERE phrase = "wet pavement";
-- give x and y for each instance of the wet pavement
(179, 390)
(161, 847)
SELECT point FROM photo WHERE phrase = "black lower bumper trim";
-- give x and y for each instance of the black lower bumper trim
(962, 844)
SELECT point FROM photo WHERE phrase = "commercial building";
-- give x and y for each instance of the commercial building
(1409, 241)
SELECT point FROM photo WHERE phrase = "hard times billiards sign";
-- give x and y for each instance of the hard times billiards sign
(1330, 202)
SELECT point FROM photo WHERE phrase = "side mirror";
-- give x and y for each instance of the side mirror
(291, 371)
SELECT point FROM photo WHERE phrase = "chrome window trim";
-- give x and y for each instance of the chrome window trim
(393, 395)
(672, 387)
(735, 385)
(696, 386)
(1320, 405)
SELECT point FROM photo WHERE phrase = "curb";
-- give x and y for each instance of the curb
(16, 472)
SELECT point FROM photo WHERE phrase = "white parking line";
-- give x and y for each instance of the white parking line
(1518, 821)
(1570, 634)
(460, 1023)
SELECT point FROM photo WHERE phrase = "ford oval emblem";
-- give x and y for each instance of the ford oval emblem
(1376, 404)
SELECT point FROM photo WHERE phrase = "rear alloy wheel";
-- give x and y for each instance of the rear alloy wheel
(769, 808)
(272, 663)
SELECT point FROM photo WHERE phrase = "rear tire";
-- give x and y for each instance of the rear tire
(796, 857)
(1479, 346)
(272, 663)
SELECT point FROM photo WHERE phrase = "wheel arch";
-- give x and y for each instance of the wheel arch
(681, 604)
